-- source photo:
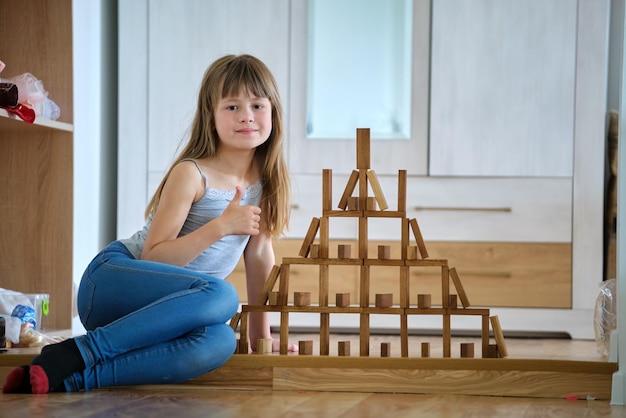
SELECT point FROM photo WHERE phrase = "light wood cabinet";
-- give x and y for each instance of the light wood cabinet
(494, 274)
(36, 161)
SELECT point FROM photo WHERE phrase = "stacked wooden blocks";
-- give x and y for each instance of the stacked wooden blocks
(315, 250)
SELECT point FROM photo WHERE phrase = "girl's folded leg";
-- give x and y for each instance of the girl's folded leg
(128, 304)
(209, 302)
(198, 352)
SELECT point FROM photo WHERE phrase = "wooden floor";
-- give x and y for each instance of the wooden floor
(172, 402)
(196, 399)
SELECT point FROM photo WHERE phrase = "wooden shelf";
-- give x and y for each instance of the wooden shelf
(10, 122)
(37, 160)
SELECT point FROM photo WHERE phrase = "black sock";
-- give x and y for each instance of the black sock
(58, 361)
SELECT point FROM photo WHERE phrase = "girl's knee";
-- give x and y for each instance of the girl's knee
(226, 293)
(226, 335)
(219, 343)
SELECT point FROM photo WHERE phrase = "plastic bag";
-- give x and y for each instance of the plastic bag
(20, 317)
(12, 328)
(605, 315)
(31, 93)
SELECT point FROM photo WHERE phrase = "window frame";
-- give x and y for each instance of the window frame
(310, 156)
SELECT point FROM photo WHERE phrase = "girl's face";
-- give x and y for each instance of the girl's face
(243, 122)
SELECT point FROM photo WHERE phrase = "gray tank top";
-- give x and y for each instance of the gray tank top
(220, 259)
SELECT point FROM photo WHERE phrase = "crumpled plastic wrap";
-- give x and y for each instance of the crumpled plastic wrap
(605, 315)
(12, 328)
(19, 329)
(33, 95)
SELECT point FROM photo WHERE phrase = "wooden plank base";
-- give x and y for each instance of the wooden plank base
(468, 376)
(531, 378)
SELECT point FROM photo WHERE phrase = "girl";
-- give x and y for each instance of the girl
(155, 305)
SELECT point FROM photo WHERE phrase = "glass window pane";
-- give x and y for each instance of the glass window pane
(359, 68)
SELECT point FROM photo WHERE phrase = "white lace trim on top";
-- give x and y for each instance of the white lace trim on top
(250, 192)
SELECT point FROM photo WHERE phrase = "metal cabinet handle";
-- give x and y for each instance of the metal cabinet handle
(464, 209)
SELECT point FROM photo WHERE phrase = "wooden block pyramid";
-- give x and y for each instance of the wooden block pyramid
(315, 251)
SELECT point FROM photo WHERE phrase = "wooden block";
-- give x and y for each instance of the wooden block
(353, 203)
(418, 238)
(327, 189)
(234, 321)
(314, 251)
(363, 241)
(343, 250)
(467, 350)
(424, 301)
(324, 334)
(309, 237)
(405, 286)
(385, 349)
(283, 285)
(363, 189)
(445, 286)
(378, 191)
(404, 238)
(384, 300)
(324, 276)
(364, 287)
(324, 235)
(401, 190)
(274, 298)
(243, 330)
(305, 347)
(342, 299)
(492, 351)
(404, 335)
(352, 181)
(452, 303)
(344, 348)
(362, 148)
(371, 203)
(411, 253)
(497, 333)
(447, 336)
(459, 287)
(264, 346)
(364, 335)
(384, 252)
(301, 298)
(284, 333)
(484, 335)
(243, 347)
(425, 349)
(269, 284)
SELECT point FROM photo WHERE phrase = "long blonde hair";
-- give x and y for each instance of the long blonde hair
(228, 76)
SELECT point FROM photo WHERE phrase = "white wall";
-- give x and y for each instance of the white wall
(95, 131)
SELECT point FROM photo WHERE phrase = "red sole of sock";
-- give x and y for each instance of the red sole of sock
(38, 379)
(14, 380)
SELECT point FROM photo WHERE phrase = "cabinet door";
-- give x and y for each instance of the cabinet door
(184, 39)
(503, 87)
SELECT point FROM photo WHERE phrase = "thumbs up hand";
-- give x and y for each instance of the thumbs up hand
(240, 220)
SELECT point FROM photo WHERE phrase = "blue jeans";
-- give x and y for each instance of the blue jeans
(150, 323)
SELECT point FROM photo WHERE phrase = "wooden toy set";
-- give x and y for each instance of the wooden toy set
(356, 203)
